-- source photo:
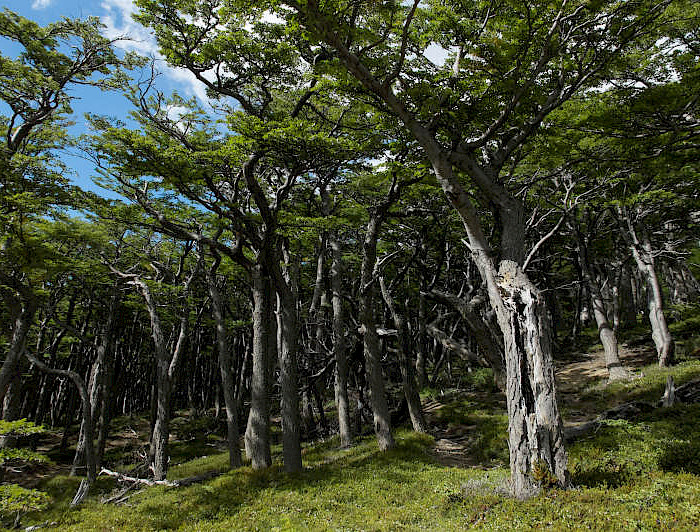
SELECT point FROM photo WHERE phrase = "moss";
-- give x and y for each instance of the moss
(629, 475)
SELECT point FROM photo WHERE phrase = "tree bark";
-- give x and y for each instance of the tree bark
(372, 352)
(257, 436)
(225, 368)
(289, 401)
(410, 389)
(660, 333)
(24, 309)
(608, 338)
(643, 254)
(340, 347)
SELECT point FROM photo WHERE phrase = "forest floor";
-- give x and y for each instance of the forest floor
(638, 474)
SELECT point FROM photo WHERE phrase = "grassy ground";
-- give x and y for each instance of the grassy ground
(629, 475)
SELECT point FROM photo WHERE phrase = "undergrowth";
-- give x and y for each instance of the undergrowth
(641, 474)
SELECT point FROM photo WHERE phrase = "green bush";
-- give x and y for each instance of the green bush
(681, 457)
(16, 501)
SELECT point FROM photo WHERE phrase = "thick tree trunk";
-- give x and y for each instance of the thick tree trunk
(257, 435)
(340, 347)
(410, 389)
(226, 369)
(536, 436)
(372, 351)
(289, 401)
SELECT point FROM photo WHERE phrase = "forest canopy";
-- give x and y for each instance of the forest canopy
(373, 203)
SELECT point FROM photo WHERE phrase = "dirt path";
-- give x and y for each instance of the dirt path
(452, 443)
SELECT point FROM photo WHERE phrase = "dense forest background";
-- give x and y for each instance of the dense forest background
(346, 231)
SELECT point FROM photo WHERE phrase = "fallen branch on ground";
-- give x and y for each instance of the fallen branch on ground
(169, 483)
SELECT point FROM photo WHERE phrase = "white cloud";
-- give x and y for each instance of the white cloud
(436, 54)
(41, 4)
(119, 24)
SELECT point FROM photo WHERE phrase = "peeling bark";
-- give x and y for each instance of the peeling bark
(536, 433)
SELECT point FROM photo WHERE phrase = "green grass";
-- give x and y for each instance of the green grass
(642, 474)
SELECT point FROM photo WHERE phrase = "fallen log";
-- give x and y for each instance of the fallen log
(689, 393)
(169, 483)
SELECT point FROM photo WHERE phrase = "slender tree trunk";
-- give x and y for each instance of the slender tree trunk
(257, 436)
(644, 257)
(421, 370)
(607, 336)
(409, 382)
(23, 316)
(660, 333)
(89, 480)
(372, 351)
(165, 370)
(226, 370)
(340, 347)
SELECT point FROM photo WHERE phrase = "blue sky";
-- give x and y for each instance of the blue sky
(115, 15)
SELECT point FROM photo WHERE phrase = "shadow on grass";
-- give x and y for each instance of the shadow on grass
(621, 452)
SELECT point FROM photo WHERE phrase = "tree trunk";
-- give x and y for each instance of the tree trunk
(421, 371)
(257, 436)
(23, 316)
(226, 369)
(289, 402)
(372, 352)
(165, 370)
(644, 257)
(340, 347)
(607, 336)
(536, 436)
(407, 376)
(11, 407)
(89, 480)
(660, 333)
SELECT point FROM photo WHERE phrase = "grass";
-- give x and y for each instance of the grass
(642, 474)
